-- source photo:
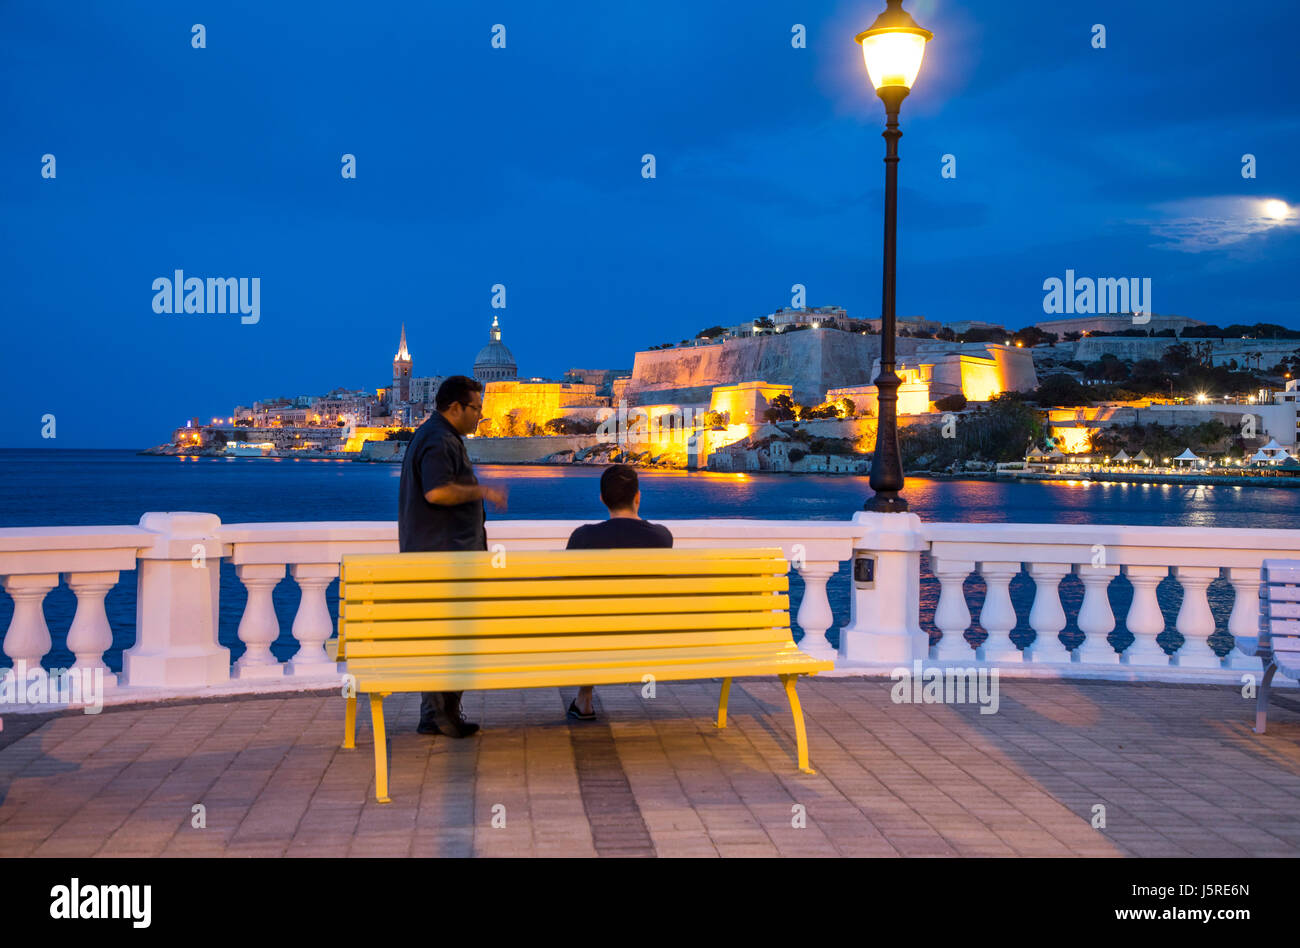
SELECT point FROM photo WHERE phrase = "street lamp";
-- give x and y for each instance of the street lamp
(892, 49)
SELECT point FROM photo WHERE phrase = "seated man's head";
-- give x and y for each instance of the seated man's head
(460, 401)
(619, 490)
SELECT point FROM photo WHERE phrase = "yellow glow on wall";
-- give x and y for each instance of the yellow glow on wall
(1072, 440)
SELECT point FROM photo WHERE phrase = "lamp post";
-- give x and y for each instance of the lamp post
(892, 49)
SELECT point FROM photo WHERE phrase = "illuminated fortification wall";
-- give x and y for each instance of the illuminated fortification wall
(537, 402)
(810, 361)
(746, 402)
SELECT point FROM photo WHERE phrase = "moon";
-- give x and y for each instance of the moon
(1277, 210)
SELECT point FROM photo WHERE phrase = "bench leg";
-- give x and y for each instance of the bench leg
(381, 748)
(722, 702)
(350, 724)
(1261, 699)
(796, 709)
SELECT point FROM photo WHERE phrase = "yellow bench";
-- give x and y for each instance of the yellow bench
(536, 619)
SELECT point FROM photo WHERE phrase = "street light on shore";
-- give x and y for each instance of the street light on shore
(892, 49)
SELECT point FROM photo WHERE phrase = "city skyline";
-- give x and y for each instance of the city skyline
(1119, 161)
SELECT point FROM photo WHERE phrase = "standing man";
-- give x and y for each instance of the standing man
(440, 507)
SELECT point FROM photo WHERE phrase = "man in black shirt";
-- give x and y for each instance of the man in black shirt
(621, 493)
(440, 507)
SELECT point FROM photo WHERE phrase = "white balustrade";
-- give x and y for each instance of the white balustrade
(1145, 620)
(90, 635)
(1096, 619)
(952, 614)
(1195, 620)
(998, 615)
(1046, 616)
(1244, 619)
(177, 557)
(815, 616)
(259, 626)
(28, 638)
(312, 625)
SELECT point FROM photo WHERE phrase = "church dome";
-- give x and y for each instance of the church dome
(494, 361)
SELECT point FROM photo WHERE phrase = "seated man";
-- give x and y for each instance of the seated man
(620, 492)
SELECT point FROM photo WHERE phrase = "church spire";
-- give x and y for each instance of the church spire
(495, 333)
(402, 354)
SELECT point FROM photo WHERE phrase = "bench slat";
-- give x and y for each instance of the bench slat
(564, 606)
(528, 625)
(489, 645)
(470, 679)
(424, 567)
(626, 658)
(505, 588)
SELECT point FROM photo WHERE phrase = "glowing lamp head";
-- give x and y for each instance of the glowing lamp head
(892, 48)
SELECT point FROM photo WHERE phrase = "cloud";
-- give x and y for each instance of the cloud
(1196, 225)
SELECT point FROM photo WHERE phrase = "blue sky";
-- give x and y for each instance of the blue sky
(522, 166)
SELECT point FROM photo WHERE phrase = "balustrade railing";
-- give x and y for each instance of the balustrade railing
(177, 558)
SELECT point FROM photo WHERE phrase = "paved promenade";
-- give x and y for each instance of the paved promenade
(1176, 767)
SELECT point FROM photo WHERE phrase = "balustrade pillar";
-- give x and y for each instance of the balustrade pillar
(178, 597)
(885, 618)
(258, 626)
(1195, 620)
(28, 639)
(815, 615)
(952, 614)
(998, 616)
(1145, 620)
(1046, 616)
(90, 635)
(312, 625)
(1096, 618)
(1244, 620)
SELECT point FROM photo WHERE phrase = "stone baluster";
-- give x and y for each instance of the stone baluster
(952, 615)
(998, 616)
(90, 635)
(28, 638)
(1145, 620)
(1096, 618)
(312, 625)
(1244, 619)
(1046, 616)
(1195, 620)
(815, 615)
(258, 626)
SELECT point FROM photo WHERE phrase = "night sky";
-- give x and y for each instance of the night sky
(522, 166)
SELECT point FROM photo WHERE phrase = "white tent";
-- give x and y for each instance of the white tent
(1259, 457)
(1187, 455)
(1121, 457)
(1272, 446)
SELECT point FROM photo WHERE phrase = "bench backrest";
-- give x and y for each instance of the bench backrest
(1279, 613)
(402, 605)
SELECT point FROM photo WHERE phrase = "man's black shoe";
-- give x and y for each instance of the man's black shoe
(451, 720)
(428, 727)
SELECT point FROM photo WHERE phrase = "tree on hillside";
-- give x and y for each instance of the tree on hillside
(781, 408)
(1063, 391)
